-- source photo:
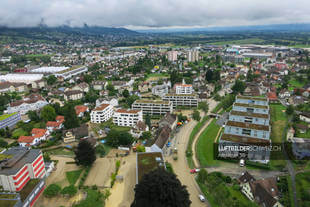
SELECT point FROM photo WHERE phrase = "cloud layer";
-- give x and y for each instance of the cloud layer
(152, 13)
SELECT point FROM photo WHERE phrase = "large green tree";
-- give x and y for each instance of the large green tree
(71, 119)
(239, 87)
(117, 138)
(48, 113)
(85, 154)
(160, 188)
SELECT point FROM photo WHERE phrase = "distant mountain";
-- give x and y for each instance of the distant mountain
(93, 30)
(273, 27)
(66, 33)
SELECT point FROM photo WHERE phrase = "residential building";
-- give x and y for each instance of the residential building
(69, 137)
(101, 113)
(265, 192)
(160, 90)
(55, 125)
(18, 166)
(182, 88)
(248, 125)
(172, 56)
(32, 102)
(192, 55)
(84, 87)
(138, 129)
(148, 161)
(9, 120)
(304, 116)
(188, 100)
(80, 110)
(99, 85)
(129, 118)
(153, 107)
(73, 95)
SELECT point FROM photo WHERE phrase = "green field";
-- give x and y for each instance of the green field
(243, 41)
(61, 151)
(19, 132)
(205, 147)
(278, 131)
(303, 189)
(94, 198)
(191, 139)
(295, 84)
(73, 176)
(157, 75)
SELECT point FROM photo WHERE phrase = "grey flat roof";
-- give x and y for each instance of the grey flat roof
(20, 157)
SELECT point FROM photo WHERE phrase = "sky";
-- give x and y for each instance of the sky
(144, 14)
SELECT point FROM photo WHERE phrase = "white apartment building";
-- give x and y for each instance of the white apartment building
(181, 88)
(129, 118)
(101, 113)
(172, 55)
(189, 100)
(153, 107)
(192, 56)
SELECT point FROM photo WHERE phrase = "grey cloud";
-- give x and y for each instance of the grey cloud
(152, 13)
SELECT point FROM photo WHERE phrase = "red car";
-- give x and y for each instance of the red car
(194, 170)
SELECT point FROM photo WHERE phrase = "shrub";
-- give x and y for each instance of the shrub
(69, 190)
(52, 190)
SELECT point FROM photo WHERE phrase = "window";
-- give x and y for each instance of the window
(246, 132)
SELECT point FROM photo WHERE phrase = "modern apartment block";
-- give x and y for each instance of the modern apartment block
(153, 107)
(172, 55)
(182, 88)
(101, 113)
(189, 100)
(18, 166)
(9, 120)
(129, 118)
(193, 55)
(248, 124)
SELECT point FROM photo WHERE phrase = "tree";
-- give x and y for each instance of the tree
(52, 190)
(71, 119)
(290, 110)
(125, 93)
(196, 115)
(3, 143)
(239, 87)
(48, 113)
(51, 80)
(117, 138)
(160, 188)
(146, 135)
(88, 78)
(140, 148)
(85, 153)
(131, 99)
(202, 175)
(33, 116)
(203, 106)
(148, 120)
(182, 118)
(69, 190)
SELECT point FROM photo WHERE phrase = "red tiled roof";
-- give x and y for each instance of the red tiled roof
(101, 107)
(53, 124)
(37, 131)
(26, 139)
(272, 96)
(127, 111)
(80, 109)
(60, 118)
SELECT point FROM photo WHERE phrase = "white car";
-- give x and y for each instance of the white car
(242, 163)
(201, 198)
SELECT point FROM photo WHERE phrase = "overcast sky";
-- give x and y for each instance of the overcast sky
(138, 14)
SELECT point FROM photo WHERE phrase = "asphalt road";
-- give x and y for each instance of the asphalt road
(180, 166)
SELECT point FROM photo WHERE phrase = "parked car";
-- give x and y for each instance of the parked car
(196, 170)
(242, 163)
(201, 198)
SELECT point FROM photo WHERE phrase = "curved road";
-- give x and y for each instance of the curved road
(180, 166)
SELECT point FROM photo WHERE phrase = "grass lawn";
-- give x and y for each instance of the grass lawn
(303, 189)
(93, 198)
(159, 75)
(5, 116)
(110, 125)
(191, 138)
(61, 151)
(204, 149)
(217, 108)
(242, 199)
(304, 135)
(290, 190)
(295, 84)
(278, 131)
(19, 132)
(73, 176)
